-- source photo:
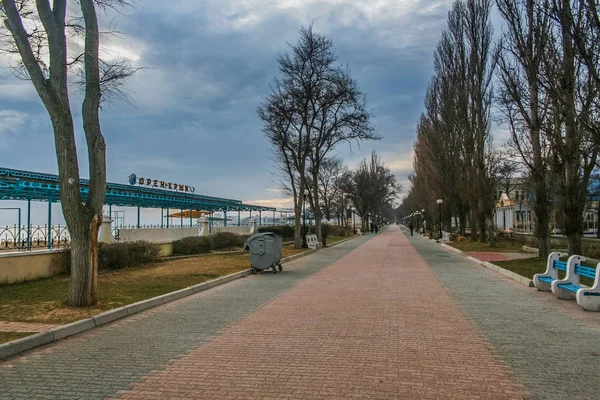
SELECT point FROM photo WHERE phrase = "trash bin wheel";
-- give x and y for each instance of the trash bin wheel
(280, 268)
(274, 269)
(253, 270)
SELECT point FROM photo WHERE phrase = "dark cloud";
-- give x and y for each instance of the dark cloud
(207, 66)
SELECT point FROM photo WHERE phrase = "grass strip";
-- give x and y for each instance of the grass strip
(502, 246)
(45, 300)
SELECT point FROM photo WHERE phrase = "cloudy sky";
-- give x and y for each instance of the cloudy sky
(207, 65)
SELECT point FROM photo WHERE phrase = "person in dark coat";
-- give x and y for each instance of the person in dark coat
(412, 228)
(372, 228)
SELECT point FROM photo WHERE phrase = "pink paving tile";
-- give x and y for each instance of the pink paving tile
(376, 324)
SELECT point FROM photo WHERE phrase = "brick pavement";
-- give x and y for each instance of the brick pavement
(552, 345)
(495, 256)
(487, 256)
(375, 324)
(98, 363)
(367, 319)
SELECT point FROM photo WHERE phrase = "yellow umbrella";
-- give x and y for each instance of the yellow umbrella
(186, 214)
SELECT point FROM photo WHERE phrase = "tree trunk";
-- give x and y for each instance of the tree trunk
(492, 231)
(318, 224)
(544, 245)
(598, 219)
(541, 212)
(462, 222)
(94, 230)
(574, 243)
(298, 221)
(473, 226)
(482, 228)
(81, 272)
(84, 260)
(316, 205)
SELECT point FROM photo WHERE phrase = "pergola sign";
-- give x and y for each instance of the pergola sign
(133, 179)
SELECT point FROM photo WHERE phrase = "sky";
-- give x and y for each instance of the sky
(206, 65)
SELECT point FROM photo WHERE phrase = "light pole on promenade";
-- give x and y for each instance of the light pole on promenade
(304, 245)
(440, 202)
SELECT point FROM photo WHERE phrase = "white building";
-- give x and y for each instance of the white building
(513, 216)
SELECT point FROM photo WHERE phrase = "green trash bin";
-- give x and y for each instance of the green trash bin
(265, 251)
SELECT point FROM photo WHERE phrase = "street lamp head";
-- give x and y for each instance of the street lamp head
(423, 211)
(440, 201)
(306, 192)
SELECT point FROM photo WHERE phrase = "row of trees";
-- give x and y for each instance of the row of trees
(542, 78)
(371, 189)
(454, 159)
(314, 106)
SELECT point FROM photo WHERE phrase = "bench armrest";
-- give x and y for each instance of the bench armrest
(571, 276)
(550, 270)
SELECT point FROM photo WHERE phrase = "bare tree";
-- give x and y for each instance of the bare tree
(340, 200)
(39, 36)
(523, 102)
(572, 93)
(480, 69)
(585, 29)
(453, 151)
(329, 173)
(312, 108)
(372, 189)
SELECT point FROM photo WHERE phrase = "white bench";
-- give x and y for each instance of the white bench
(544, 281)
(312, 242)
(569, 287)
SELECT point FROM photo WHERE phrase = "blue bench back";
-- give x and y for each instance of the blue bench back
(585, 271)
(560, 265)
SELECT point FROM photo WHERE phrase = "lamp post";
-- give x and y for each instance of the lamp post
(353, 223)
(440, 202)
(304, 244)
(423, 221)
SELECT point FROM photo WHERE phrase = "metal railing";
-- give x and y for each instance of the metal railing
(23, 238)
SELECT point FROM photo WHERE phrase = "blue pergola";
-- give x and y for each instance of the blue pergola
(34, 186)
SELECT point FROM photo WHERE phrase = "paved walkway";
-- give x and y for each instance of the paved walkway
(551, 345)
(387, 318)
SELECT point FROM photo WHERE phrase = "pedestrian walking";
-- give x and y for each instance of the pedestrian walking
(376, 228)
(372, 228)
(411, 227)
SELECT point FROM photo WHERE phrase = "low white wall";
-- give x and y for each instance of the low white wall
(238, 230)
(156, 235)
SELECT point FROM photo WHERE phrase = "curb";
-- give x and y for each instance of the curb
(342, 241)
(529, 249)
(15, 347)
(509, 274)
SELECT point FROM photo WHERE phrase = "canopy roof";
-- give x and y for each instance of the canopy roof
(35, 186)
